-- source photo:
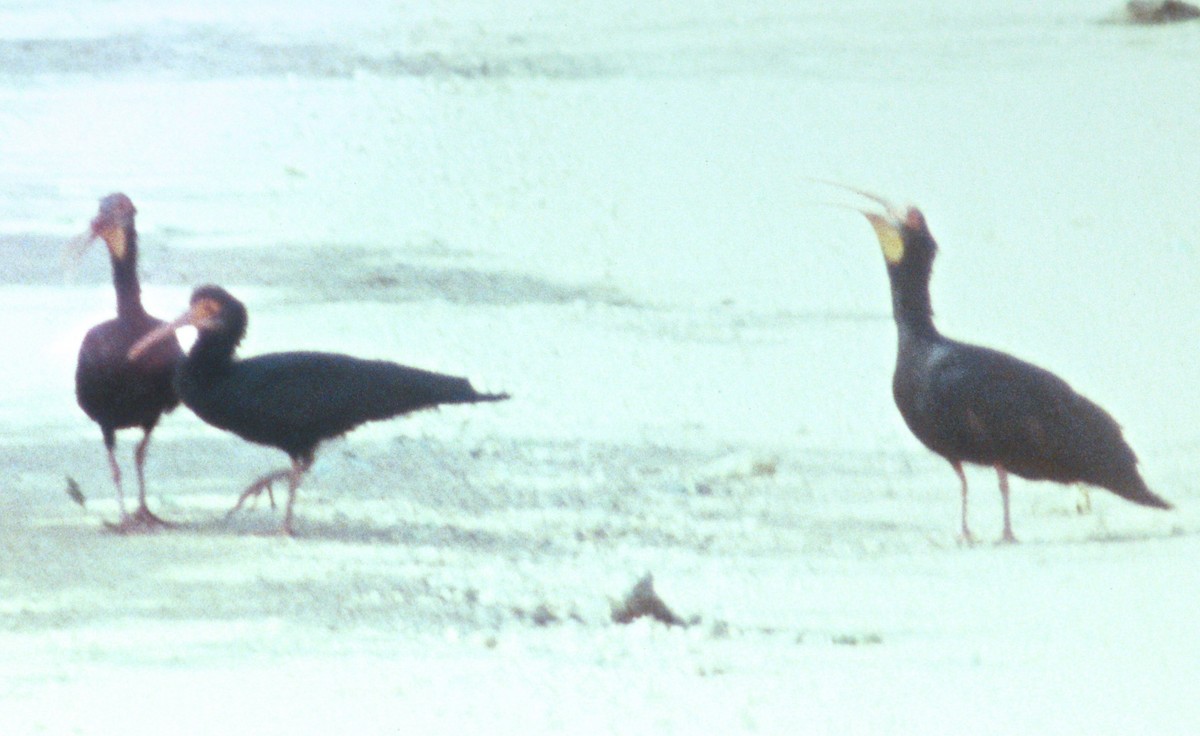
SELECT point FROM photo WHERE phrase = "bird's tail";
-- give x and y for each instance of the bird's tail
(465, 393)
(1134, 489)
(402, 389)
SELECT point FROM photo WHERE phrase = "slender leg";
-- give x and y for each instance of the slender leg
(1008, 537)
(300, 466)
(116, 476)
(258, 486)
(966, 537)
(143, 515)
(110, 444)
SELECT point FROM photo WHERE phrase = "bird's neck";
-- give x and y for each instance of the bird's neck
(125, 279)
(210, 354)
(911, 306)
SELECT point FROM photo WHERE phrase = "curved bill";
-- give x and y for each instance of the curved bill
(74, 248)
(160, 333)
(891, 209)
(888, 226)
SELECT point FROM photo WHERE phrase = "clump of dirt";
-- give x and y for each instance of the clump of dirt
(643, 601)
(1140, 12)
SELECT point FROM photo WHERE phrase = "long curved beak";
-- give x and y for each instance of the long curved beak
(75, 248)
(888, 226)
(161, 332)
(891, 209)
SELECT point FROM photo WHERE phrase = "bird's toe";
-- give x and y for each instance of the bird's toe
(146, 518)
(140, 522)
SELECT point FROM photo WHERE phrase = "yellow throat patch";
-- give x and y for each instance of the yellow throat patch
(890, 240)
(115, 238)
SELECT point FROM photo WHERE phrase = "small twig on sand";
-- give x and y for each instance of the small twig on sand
(74, 492)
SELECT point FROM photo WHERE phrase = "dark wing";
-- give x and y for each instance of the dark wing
(294, 400)
(990, 407)
(117, 392)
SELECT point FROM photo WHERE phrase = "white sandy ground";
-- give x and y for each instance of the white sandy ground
(602, 209)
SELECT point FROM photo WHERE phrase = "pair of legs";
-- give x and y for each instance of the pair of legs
(1002, 474)
(142, 519)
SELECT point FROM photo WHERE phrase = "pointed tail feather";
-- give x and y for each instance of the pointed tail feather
(1135, 490)
(465, 393)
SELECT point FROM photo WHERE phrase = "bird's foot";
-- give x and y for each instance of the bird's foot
(255, 489)
(1007, 538)
(966, 539)
(147, 517)
(140, 521)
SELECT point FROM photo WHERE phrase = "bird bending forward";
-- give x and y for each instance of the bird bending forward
(292, 401)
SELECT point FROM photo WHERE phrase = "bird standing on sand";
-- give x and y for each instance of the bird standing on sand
(114, 391)
(977, 405)
(292, 401)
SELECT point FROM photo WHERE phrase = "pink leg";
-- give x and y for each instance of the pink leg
(260, 485)
(143, 516)
(1008, 537)
(299, 468)
(141, 520)
(966, 537)
(116, 476)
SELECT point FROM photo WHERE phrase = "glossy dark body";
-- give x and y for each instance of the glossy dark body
(113, 391)
(977, 405)
(119, 394)
(293, 401)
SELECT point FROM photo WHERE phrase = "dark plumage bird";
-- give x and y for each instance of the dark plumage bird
(292, 401)
(976, 405)
(115, 392)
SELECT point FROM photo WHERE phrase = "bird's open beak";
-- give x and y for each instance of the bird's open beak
(102, 226)
(77, 246)
(887, 225)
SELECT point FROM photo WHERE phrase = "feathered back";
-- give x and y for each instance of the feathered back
(295, 400)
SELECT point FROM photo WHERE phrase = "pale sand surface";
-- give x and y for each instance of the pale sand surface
(603, 210)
